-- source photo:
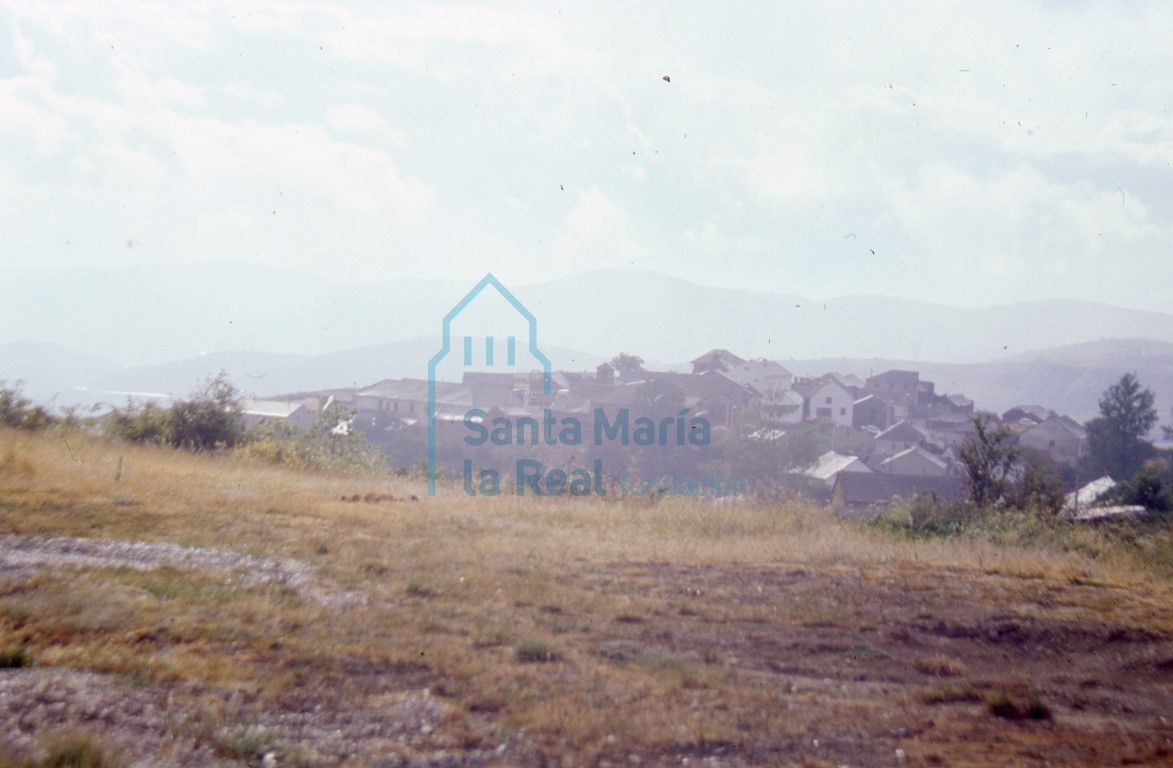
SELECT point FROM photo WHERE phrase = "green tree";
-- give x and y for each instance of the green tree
(657, 400)
(1038, 485)
(988, 458)
(1168, 428)
(626, 365)
(767, 456)
(1116, 438)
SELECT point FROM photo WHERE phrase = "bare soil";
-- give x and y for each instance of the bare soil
(861, 666)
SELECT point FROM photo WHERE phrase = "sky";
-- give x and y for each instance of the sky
(969, 154)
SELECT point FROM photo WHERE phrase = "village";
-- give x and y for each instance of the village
(892, 435)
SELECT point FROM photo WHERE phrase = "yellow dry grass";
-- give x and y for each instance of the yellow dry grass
(594, 627)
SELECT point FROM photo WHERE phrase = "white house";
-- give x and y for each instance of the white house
(831, 401)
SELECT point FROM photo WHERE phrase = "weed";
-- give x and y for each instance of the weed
(940, 665)
(421, 590)
(536, 652)
(15, 659)
(1037, 709)
(69, 751)
(951, 695)
(1002, 705)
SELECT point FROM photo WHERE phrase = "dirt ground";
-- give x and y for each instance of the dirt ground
(854, 666)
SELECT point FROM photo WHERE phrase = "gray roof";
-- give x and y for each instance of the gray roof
(858, 489)
(915, 450)
(757, 374)
(417, 389)
(903, 431)
(1036, 412)
(718, 356)
(909, 377)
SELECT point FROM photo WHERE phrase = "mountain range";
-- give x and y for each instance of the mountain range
(161, 329)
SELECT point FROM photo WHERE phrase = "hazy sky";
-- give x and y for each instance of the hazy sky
(934, 151)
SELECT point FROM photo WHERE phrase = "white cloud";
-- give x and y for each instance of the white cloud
(245, 92)
(597, 233)
(361, 120)
(28, 59)
(782, 130)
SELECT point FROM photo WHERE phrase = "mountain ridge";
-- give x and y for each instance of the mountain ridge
(157, 313)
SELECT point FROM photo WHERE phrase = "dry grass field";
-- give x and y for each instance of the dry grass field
(266, 617)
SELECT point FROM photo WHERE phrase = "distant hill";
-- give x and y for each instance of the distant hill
(147, 315)
(63, 377)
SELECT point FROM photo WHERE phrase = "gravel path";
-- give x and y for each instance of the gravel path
(149, 727)
(23, 553)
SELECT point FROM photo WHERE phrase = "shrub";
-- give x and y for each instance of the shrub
(1147, 489)
(330, 443)
(536, 652)
(18, 412)
(1001, 705)
(15, 659)
(209, 419)
(927, 514)
(78, 752)
(141, 423)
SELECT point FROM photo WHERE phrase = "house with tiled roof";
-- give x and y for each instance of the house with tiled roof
(1060, 437)
(857, 494)
(915, 461)
(715, 360)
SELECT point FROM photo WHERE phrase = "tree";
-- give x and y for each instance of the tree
(1116, 444)
(658, 400)
(988, 459)
(626, 364)
(1038, 485)
(764, 455)
(1168, 428)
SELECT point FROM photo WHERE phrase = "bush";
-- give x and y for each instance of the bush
(209, 419)
(330, 443)
(18, 412)
(141, 423)
(536, 652)
(15, 659)
(929, 515)
(1147, 489)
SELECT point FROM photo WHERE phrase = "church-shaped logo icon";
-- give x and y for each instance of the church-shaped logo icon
(488, 330)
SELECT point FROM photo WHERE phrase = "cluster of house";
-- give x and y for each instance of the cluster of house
(907, 436)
